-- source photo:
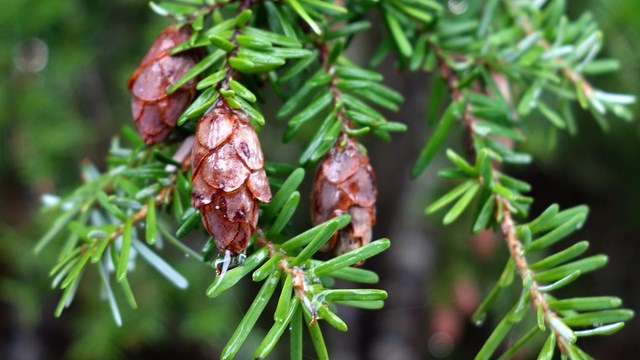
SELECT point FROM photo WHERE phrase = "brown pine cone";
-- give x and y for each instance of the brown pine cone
(345, 183)
(155, 113)
(228, 177)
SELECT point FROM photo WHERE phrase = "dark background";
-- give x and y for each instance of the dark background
(63, 70)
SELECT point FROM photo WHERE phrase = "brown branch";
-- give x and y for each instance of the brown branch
(507, 224)
(300, 287)
(208, 9)
(516, 251)
(449, 76)
(229, 71)
(333, 86)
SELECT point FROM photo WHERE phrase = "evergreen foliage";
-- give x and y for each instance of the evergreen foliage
(494, 63)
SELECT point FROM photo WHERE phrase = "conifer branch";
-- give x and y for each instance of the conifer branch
(575, 77)
(507, 224)
(501, 205)
(516, 250)
(164, 195)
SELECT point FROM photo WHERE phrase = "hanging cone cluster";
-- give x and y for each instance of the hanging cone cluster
(155, 113)
(345, 183)
(228, 177)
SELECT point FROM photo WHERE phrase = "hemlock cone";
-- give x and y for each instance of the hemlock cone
(154, 111)
(345, 183)
(228, 177)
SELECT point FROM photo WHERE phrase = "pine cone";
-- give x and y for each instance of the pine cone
(345, 183)
(155, 113)
(228, 177)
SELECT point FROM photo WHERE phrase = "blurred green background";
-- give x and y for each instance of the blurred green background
(63, 72)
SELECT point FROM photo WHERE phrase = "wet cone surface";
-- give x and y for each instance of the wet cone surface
(154, 112)
(345, 183)
(228, 177)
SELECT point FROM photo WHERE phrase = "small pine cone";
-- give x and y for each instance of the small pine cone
(155, 113)
(228, 177)
(345, 183)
